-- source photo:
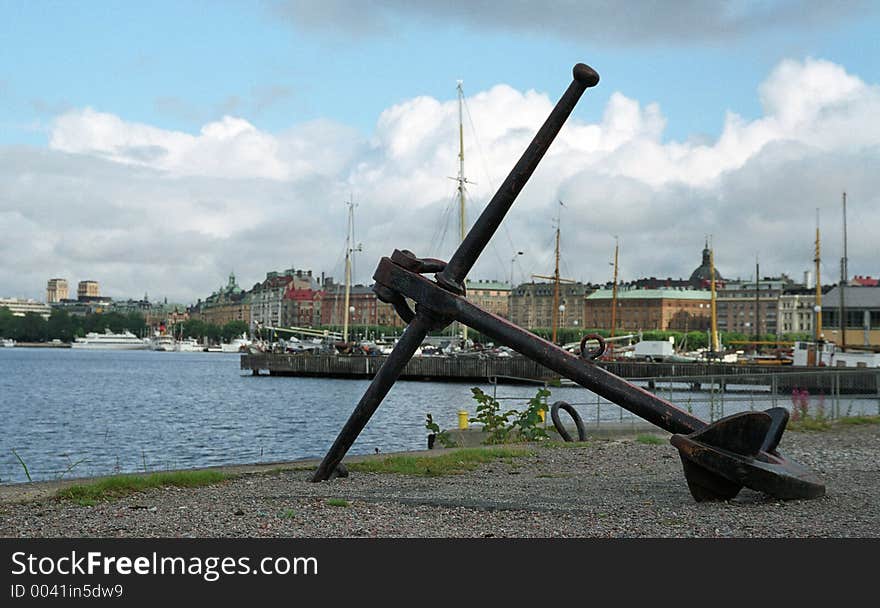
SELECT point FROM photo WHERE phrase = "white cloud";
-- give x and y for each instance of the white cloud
(171, 213)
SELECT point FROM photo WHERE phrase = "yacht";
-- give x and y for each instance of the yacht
(7, 342)
(163, 342)
(109, 340)
(189, 345)
(238, 345)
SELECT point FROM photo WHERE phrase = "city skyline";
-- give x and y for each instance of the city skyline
(158, 148)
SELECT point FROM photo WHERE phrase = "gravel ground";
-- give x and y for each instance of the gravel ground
(609, 488)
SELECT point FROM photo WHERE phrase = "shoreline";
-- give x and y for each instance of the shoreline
(609, 487)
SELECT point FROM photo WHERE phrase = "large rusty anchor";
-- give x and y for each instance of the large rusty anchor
(719, 459)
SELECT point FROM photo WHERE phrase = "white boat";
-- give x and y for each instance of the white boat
(7, 342)
(188, 345)
(238, 345)
(163, 342)
(108, 340)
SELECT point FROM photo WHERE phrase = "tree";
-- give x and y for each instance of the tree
(61, 326)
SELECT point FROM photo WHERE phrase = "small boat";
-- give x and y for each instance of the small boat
(238, 345)
(188, 345)
(7, 342)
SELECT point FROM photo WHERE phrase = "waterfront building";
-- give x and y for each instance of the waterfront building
(87, 289)
(20, 307)
(649, 309)
(302, 307)
(491, 296)
(367, 308)
(750, 308)
(531, 304)
(229, 303)
(267, 297)
(795, 314)
(861, 310)
(56, 290)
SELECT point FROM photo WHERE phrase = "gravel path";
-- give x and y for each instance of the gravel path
(610, 488)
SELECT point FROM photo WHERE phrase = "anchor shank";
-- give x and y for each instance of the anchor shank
(382, 382)
(478, 237)
(602, 382)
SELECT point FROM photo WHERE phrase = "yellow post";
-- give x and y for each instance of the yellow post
(462, 420)
(543, 415)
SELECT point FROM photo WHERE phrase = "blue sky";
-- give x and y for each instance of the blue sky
(217, 124)
(177, 65)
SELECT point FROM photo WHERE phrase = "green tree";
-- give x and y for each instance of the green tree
(32, 328)
(233, 329)
(61, 326)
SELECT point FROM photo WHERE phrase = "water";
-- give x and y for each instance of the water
(73, 413)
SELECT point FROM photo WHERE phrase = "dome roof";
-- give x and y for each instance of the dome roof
(703, 273)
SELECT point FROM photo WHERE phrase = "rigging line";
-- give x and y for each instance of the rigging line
(489, 179)
(436, 248)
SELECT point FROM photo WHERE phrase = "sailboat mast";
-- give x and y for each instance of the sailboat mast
(461, 183)
(556, 285)
(349, 238)
(843, 280)
(614, 291)
(714, 311)
(818, 307)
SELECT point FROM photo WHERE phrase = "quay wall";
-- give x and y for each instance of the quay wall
(781, 379)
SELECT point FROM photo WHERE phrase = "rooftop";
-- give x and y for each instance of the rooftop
(651, 294)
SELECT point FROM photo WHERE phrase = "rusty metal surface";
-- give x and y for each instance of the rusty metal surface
(718, 459)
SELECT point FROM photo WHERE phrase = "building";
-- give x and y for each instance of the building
(861, 306)
(795, 311)
(491, 296)
(229, 303)
(364, 307)
(86, 290)
(531, 304)
(267, 297)
(19, 307)
(749, 308)
(56, 290)
(302, 307)
(649, 309)
(701, 277)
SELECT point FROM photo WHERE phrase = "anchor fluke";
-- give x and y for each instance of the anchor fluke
(730, 454)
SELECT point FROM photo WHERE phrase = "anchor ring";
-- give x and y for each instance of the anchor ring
(592, 355)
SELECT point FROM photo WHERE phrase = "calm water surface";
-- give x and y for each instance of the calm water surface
(76, 412)
(72, 413)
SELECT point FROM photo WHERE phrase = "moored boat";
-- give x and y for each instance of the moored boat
(109, 340)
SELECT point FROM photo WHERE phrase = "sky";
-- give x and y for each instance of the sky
(157, 147)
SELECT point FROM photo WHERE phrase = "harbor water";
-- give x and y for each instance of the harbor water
(74, 413)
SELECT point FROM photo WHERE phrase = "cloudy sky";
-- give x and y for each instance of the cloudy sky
(157, 148)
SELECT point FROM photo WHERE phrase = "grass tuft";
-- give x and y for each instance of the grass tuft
(450, 463)
(650, 440)
(860, 420)
(337, 502)
(118, 486)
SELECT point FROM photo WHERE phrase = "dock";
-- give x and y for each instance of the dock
(513, 370)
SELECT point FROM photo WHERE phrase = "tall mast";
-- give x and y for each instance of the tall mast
(843, 281)
(757, 303)
(349, 249)
(713, 311)
(556, 278)
(614, 291)
(461, 182)
(818, 307)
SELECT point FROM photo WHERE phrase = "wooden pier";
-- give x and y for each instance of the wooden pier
(697, 376)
